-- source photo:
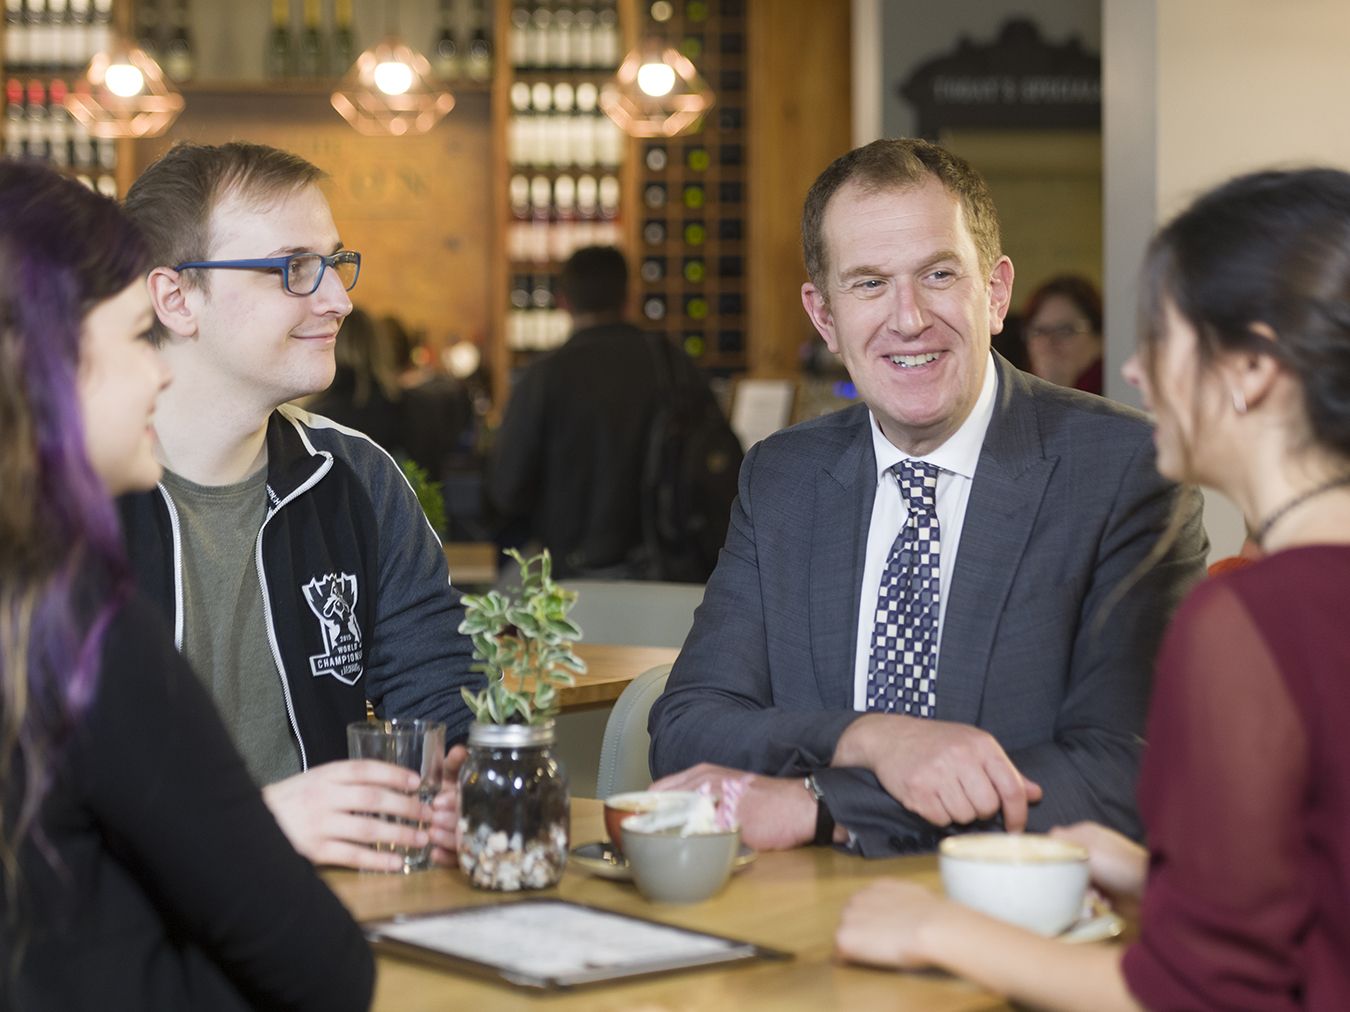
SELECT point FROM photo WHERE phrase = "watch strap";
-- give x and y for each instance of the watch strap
(824, 818)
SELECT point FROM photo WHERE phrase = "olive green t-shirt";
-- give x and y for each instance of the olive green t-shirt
(224, 632)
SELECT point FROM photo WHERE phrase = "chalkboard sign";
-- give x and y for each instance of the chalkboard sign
(1017, 81)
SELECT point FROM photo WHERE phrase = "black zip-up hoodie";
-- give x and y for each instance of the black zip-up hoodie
(356, 598)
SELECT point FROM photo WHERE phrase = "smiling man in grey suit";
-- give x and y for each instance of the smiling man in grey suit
(935, 609)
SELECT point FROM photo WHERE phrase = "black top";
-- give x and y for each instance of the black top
(356, 594)
(175, 888)
(568, 458)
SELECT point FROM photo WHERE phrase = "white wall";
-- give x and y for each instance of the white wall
(1195, 91)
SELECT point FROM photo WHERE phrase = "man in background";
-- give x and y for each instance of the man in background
(566, 470)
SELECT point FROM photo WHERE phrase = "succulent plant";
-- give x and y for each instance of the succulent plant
(523, 642)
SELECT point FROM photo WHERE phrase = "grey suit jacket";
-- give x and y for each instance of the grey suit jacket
(1050, 631)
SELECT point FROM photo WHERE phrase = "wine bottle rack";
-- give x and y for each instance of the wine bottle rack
(46, 45)
(564, 159)
(691, 243)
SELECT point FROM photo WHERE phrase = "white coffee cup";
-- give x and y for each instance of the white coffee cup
(1028, 879)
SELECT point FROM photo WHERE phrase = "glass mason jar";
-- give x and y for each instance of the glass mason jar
(513, 808)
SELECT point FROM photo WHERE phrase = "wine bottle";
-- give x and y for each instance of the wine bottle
(605, 46)
(100, 27)
(584, 129)
(588, 210)
(16, 41)
(518, 237)
(79, 27)
(563, 132)
(280, 43)
(38, 142)
(15, 131)
(562, 242)
(479, 61)
(59, 126)
(583, 35)
(445, 55)
(519, 44)
(42, 43)
(519, 126)
(59, 35)
(344, 37)
(313, 52)
(558, 37)
(147, 27)
(180, 62)
(536, 40)
(541, 208)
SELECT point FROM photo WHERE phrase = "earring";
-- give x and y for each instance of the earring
(1239, 402)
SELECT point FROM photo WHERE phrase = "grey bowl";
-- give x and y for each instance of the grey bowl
(669, 868)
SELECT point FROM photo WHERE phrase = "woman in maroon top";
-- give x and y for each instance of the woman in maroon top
(1244, 891)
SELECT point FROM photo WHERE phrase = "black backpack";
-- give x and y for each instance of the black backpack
(689, 477)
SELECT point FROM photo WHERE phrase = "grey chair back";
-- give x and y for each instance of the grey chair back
(623, 751)
(641, 613)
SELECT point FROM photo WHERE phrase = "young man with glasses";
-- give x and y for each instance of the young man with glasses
(289, 554)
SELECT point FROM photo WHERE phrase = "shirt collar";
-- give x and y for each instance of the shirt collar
(961, 452)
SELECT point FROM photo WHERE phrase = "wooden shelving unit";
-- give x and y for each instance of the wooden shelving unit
(434, 213)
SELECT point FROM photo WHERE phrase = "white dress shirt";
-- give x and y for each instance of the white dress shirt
(957, 458)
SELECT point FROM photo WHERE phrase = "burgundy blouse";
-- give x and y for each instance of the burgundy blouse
(1245, 790)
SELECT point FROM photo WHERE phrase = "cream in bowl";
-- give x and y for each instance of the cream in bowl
(621, 806)
(1028, 879)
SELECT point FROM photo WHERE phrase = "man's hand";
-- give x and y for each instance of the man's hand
(329, 813)
(944, 772)
(445, 809)
(775, 813)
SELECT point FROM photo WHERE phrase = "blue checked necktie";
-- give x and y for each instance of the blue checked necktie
(904, 638)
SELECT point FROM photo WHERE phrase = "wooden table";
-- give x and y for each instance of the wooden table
(472, 563)
(609, 669)
(789, 901)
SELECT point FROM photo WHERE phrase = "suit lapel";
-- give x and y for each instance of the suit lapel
(1009, 484)
(844, 490)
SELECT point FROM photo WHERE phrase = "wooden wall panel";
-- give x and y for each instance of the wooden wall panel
(799, 122)
(418, 208)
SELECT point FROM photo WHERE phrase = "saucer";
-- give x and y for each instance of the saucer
(600, 858)
(1097, 923)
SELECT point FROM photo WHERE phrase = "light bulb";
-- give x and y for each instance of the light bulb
(656, 79)
(393, 77)
(124, 80)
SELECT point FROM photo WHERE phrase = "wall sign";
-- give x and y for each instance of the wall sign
(1017, 81)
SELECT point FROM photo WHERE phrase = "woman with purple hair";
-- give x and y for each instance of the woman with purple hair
(139, 867)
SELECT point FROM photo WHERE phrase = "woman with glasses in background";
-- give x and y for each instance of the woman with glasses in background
(1064, 333)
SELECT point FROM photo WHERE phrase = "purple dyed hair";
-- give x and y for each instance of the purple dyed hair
(63, 571)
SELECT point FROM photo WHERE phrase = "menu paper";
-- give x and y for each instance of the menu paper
(553, 943)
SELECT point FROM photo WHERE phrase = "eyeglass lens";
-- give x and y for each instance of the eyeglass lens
(305, 270)
(1058, 331)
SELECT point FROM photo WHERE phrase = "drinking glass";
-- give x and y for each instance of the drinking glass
(417, 745)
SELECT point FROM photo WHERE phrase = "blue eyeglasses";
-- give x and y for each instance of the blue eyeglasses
(301, 273)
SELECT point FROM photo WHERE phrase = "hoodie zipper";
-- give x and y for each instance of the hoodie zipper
(309, 483)
(177, 539)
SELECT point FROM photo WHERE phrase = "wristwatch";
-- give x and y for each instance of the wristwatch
(824, 820)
